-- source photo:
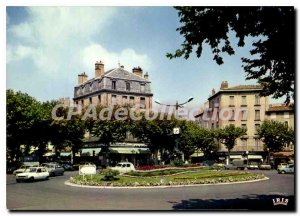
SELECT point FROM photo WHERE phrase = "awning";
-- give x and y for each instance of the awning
(235, 156)
(89, 151)
(197, 154)
(120, 150)
(258, 157)
(49, 154)
(282, 154)
(65, 154)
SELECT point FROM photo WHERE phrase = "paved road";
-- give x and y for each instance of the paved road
(55, 195)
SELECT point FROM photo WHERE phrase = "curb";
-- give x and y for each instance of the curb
(159, 187)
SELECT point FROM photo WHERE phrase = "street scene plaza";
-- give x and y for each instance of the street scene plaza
(112, 121)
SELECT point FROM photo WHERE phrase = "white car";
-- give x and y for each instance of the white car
(22, 169)
(124, 167)
(33, 173)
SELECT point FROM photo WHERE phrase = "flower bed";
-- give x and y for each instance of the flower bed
(188, 178)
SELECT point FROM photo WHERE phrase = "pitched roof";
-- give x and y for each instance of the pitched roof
(237, 89)
(244, 87)
(124, 74)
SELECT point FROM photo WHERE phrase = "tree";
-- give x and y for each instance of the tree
(273, 32)
(228, 136)
(276, 135)
(108, 131)
(22, 113)
(158, 134)
(194, 137)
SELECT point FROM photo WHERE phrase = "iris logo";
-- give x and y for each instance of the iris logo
(280, 201)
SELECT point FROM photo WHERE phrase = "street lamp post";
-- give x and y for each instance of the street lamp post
(176, 130)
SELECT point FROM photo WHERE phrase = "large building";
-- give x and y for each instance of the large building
(115, 86)
(241, 106)
(108, 88)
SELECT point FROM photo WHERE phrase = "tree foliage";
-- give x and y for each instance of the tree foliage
(194, 137)
(276, 135)
(228, 135)
(273, 32)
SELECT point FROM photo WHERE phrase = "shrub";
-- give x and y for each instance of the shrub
(109, 174)
(178, 162)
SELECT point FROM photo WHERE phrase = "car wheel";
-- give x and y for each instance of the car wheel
(47, 178)
(31, 179)
(18, 180)
(282, 172)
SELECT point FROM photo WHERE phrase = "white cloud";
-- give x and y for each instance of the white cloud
(60, 43)
(127, 57)
(19, 52)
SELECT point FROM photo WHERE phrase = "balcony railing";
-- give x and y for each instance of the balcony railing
(244, 148)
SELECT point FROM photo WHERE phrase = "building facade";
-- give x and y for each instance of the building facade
(114, 87)
(108, 88)
(241, 106)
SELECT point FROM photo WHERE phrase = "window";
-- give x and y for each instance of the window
(124, 100)
(131, 102)
(113, 85)
(82, 102)
(142, 103)
(244, 115)
(257, 100)
(90, 99)
(232, 113)
(244, 126)
(142, 87)
(113, 100)
(231, 100)
(244, 144)
(76, 102)
(99, 99)
(257, 126)
(244, 100)
(286, 123)
(127, 86)
(257, 115)
(257, 144)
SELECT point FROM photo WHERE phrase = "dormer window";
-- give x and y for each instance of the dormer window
(142, 87)
(113, 85)
(127, 86)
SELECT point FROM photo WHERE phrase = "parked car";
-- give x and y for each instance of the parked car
(282, 165)
(22, 169)
(54, 169)
(265, 167)
(288, 169)
(252, 165)
(33, 173)
(124, 167)
(67, 167)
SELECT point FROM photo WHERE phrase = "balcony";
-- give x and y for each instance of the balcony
(243, 148)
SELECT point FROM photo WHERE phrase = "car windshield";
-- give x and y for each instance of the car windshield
(32, 169)
(24, 167)
(119, 165)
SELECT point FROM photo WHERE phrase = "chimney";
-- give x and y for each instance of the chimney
(224, 85)
(82, 78)
(138, 71)
(146, 76)
(213, 91)
(99, 69)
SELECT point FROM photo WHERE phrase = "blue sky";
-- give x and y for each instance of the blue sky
(48, 46)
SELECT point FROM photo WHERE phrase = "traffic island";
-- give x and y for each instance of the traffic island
(164, 179)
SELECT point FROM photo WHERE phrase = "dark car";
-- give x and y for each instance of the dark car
(54, 169)
(67, 167)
